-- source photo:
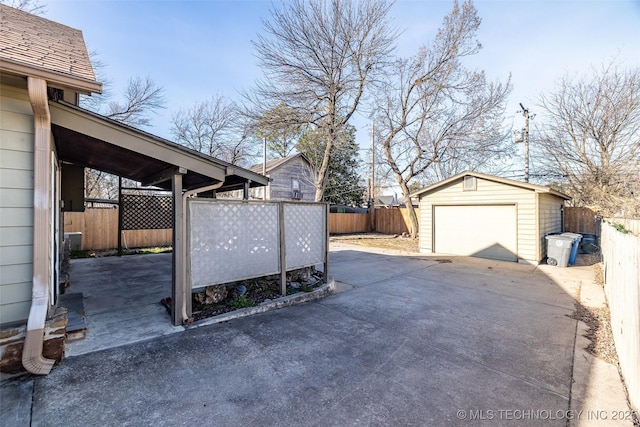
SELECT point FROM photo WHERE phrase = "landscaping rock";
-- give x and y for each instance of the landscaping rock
(212, 294)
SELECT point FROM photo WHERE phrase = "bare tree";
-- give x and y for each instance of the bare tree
(31, 6)
(318, 57)
(141, 97)
(281, 129)
(435, 116)
(214, 127)
(590, 141)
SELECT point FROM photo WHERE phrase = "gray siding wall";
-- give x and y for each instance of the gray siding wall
(16, 203)
(550, 214)
(487, 193)
(280, 185)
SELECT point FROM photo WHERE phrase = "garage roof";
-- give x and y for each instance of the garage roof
(525, 185)
(89, 139)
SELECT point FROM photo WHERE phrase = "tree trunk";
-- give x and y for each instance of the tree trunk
(413, 218)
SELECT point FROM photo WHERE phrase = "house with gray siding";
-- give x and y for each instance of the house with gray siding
(290, 178)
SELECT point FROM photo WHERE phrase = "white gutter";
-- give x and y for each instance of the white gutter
(185, 196)
(32, 358)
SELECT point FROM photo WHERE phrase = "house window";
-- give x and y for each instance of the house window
(470, 183)
(295, 189)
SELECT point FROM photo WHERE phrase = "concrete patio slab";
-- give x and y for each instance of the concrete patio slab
(403, 341)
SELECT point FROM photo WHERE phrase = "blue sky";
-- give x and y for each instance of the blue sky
(195, 49)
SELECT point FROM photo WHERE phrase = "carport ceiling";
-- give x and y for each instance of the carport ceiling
(90, 140)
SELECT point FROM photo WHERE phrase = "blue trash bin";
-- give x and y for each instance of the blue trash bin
(574, 248)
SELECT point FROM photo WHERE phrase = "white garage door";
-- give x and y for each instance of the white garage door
(485, 231)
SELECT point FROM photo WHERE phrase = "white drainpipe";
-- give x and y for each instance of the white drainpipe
(32, 358)
(185, 196)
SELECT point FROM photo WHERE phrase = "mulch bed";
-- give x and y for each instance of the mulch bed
(252, 292)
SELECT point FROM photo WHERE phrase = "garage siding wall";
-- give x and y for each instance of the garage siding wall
(550, 214)
(488, 193)
(16, 203)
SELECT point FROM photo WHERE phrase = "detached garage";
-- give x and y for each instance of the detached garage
(485, 216)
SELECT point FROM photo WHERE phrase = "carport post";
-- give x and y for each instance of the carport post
(179, 254)
(283, 251)
(245, 190)
(326, 244)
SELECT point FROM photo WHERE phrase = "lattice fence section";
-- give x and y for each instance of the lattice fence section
(146, 212)
(231, 241)
(305, 234)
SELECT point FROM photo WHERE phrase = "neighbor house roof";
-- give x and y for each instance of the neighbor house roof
(34, 46)
(273, 164)
(525, 185)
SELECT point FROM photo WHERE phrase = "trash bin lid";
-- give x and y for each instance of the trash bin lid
(573, 235)
(560, 241)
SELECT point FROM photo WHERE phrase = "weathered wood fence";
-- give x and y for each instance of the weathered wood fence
(393, 221)
(621, 258)
(581, 220)
(99, 228)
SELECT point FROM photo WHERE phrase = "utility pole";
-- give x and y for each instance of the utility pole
(525, 134)
(373, 165)
(372, 203)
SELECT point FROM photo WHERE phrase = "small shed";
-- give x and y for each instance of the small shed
(475, 214)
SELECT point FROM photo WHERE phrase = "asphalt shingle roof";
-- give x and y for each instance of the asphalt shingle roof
(39, 42)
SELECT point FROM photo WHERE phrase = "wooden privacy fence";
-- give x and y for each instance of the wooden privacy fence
(341, 223)
(393, 221)
(99, 228)
(581, 220)
(387, 221)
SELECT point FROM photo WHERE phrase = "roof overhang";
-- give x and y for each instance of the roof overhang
(53, 78)
(91, 140)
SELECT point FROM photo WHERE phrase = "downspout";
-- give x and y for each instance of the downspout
(185, 196)
(32, 358)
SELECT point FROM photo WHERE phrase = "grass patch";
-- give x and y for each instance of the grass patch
(159, 250)
(80, 254)
(241, 302)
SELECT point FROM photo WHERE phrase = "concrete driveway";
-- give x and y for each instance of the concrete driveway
(406, 340)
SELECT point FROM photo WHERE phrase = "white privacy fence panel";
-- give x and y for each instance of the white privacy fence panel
(305, 234)
(231, 241)
(621, 257)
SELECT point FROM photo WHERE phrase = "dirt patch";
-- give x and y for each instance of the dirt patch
(385, 241)
(599, 332)
(100, 253)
